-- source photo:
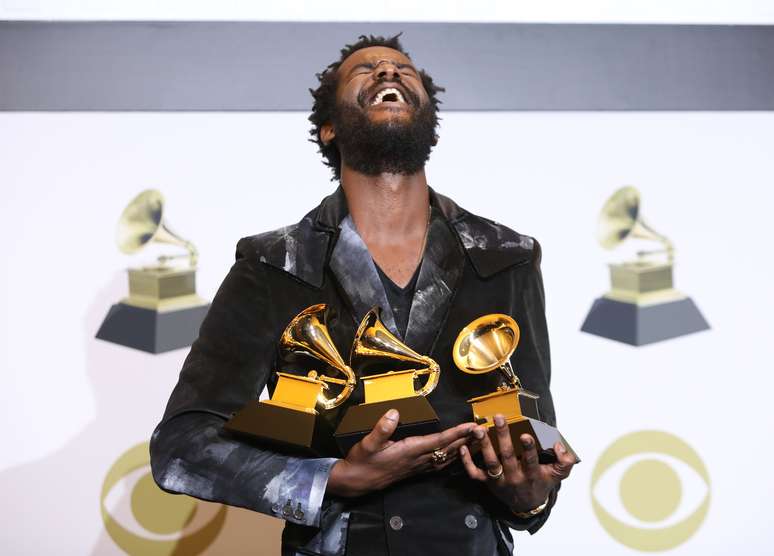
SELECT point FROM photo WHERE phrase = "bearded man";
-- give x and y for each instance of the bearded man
(383, 238)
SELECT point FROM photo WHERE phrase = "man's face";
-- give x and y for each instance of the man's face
(383, 83)
(384, 121)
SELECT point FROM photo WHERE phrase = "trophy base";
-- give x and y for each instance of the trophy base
(293, 430)
(639, 325)
(149, 330)
(417, 417)
(545, 437)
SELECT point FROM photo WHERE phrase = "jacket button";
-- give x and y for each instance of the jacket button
(396, 523)
(471, 521)
(299, 513)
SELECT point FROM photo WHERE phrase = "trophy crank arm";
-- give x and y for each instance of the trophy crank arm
(511, 379)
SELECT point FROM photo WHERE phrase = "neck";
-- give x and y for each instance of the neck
(387, 208)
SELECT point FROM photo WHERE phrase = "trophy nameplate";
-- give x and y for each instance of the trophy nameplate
(642, 306)
(374, 344)
(486, 345)
(163, 311)
(290, 419)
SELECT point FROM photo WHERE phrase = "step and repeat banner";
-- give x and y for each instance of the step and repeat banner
(673, 432)
(655, 229)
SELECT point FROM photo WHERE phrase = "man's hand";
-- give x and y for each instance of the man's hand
(376, 461)
(523, 483)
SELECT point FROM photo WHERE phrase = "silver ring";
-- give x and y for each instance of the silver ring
(439, 457)
(495, 476)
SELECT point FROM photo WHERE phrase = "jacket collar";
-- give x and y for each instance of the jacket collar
(441, 268)
(304, 249)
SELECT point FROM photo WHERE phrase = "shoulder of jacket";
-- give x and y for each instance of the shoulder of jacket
(298, 249)
(493, 247)
(267, 247)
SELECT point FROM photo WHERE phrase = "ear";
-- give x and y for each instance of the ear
(327, 133)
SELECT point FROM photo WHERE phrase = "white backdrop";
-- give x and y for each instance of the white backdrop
(549, 11)
(71, 405)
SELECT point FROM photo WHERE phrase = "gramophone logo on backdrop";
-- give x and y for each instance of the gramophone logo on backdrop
(642, 306)
(145, 521)
(162, 311)
(650, 491)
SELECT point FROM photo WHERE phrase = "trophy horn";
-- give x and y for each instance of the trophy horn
(308, 334)
(487, 344)
(142, 222)
(620, 218)
(374, 343)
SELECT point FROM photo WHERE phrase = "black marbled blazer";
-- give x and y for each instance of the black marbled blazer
(471, 266)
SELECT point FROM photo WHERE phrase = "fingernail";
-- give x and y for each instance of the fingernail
(527, 443)
(562, 449)
(463, 450)
(392, 414)
(479, 433)
(499, 420)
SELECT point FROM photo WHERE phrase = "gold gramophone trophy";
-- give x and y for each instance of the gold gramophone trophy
(290, 418)
(642, 307)
(163, 311)
(376, 347)
(486, 345)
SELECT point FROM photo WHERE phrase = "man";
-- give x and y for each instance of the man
(384, 238)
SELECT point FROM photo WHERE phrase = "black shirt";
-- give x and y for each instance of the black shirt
(399, 298)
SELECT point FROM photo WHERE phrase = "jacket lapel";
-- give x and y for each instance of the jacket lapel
(355, 271)
(442, 266)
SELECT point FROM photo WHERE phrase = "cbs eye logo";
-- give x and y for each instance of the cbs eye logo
(650, 491)
(145, 521)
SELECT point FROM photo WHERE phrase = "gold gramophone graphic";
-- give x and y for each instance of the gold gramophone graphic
(642, 307)
(376, 347)
(486, 345)
(163, 311)
(290, 417)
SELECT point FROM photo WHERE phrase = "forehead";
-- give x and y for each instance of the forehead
(371, 55)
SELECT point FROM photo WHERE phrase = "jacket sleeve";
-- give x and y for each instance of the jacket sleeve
(534, 355)
(228, 365)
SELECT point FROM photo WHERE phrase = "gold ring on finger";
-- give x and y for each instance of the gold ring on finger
(439, 457)
(495, 476)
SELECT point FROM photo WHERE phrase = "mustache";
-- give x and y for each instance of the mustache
(410, 96)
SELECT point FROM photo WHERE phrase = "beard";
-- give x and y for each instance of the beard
(390, 147)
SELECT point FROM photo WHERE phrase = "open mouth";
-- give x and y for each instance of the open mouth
(390, 94)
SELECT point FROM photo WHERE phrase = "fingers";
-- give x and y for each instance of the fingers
(565, 461)
(379, 437)
(507, 454)
(452, 453)
(530, 464)
(424, 444)
(491, 461)
(472, 470)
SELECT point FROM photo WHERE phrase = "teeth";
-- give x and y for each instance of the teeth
(384, 92)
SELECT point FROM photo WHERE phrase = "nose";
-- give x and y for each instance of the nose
(386, 70)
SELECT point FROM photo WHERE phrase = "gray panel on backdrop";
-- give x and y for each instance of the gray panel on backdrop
(270, 65)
